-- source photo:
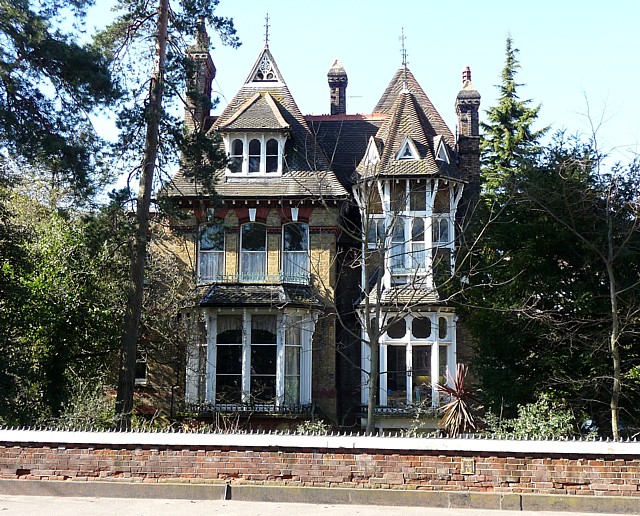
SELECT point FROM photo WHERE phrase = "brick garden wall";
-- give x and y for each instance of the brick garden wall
(474, 465)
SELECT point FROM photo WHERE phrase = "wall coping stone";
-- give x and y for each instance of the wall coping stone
(330, 442)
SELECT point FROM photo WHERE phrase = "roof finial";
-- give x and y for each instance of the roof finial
(266, 30)
(404, 61)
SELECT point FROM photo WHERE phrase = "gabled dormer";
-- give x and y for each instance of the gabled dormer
(441, 152)
(408, 150)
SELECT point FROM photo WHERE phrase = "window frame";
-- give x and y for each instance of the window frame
(303, 276)
(218, 253)
(262, 159)
(247, 276)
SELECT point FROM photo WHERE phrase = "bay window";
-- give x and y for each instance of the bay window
(255, 154)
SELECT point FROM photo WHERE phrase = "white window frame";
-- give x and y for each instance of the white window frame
(203, 256)
(248, 276)
(263, 138)
(306, 322)
(302, 274)
(409, 342)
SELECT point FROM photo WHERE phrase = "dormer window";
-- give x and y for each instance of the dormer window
(255, 154)
(442, 154)
(407, 150)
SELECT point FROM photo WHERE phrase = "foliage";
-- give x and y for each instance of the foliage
(457, 414)
(508, 138)
(61, 280)
(49, 87)
(88, 408)
(313, 427)
(542, 419)
(557, 247)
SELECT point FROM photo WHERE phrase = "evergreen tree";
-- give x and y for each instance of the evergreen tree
(508, 138)
(49, 85)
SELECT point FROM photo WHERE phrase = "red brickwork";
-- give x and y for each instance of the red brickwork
(424, 470)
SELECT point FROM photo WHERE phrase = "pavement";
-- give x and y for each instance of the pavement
(95, 506)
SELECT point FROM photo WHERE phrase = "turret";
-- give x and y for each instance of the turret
(467, 109)
(337, 78)
(200, 75)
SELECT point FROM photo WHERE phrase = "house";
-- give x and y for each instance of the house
(321, 223)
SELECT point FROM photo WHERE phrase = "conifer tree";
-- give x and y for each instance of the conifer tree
(508, 138)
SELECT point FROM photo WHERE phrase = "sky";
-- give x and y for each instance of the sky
(577, 57)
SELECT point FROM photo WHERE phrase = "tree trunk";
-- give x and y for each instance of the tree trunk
(614, 346)
(126, 380)
(374, 375)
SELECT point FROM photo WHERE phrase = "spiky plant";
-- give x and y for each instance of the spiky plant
(457, 415)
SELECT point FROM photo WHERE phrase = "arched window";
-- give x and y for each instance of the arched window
(237, 150)
(211, 248)
(254, 155)
(272, 156)
(418, 259)
(295, 256)
(441, 231)
(253, 252)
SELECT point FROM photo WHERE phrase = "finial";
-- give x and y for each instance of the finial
(266, 30)
(404, 62)
(202, 38)
(466, 75)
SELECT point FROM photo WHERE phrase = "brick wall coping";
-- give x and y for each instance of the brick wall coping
(316, 442)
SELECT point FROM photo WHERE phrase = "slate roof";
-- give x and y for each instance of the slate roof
(406, 296)
(260, 295)
(344, 139)
(435, 124)
(292, 185)
(267, 105)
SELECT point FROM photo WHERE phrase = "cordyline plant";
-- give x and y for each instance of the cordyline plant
(457, 415)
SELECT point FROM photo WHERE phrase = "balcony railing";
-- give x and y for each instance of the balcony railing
(265, 279)
(202, 409)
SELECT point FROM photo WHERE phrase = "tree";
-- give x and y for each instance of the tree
(163, 140)
(553, 293)
(49, 87)
(508, 138)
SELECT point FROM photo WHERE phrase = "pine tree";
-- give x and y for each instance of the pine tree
(508, 139)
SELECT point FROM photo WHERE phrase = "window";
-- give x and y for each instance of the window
(398, 193)
(272, 156)
(418, 245)
(211, 252)
(263, 358)
(236, 156)
(253, 252)
(440, 231)
(295, 256)
(397, 253)
(413, 362)
(375, 233)
(256, 357)
(255, 154)
(417, 195)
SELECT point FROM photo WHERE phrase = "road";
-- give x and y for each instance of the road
(59, 506)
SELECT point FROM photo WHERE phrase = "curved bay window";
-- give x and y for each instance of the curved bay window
(255, 154)
(295, 255)
(211, 252)
(253, 252)
(416, 354)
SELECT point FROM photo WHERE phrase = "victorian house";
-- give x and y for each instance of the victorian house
(319, 224)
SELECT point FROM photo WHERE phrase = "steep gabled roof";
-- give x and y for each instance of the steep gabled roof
(260, 112)
(434, 124)
(265, 80)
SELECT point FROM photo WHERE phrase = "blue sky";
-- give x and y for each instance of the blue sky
(576, 57)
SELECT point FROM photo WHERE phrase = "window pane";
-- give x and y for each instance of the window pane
(398, 196)
(441, 204)
(417, 230)
(228, 388)
(421, 328)
(254, 155)
(254, 237)
(229, 329)
(296, 237)
(397, 330)
(421, 373)
(229, 359)
(237, 148)
(443, 330)
(263, 329)
(396, 375)
(212, 238)
(272, 155)
(443, 365)
(263, 360)
(263, 389)
(418, 195)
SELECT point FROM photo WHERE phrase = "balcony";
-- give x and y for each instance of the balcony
(211, 268)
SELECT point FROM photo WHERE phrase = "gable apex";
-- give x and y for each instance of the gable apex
(265, 70)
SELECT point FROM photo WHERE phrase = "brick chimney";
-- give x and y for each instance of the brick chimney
(200, 75)
(467, 109)
(338, 81)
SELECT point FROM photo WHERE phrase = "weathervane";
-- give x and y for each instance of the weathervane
(266, 31)
(404, 59)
